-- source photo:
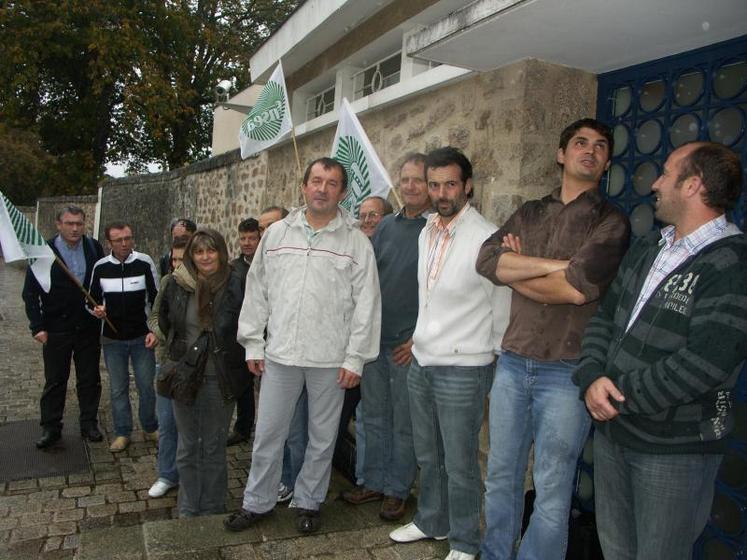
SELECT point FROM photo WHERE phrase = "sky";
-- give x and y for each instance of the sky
(119, 169)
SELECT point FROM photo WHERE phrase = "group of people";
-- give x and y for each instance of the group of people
(432, 311)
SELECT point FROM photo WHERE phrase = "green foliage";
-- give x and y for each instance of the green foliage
(86, 82)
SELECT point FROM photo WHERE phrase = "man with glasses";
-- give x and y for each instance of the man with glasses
(371, 212)
(126, 283)
(59, 322)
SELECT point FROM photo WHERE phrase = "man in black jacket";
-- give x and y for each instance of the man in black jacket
(127, 283)
(248, 241)
(58, 321)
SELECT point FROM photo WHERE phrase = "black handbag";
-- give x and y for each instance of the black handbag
(180, 380)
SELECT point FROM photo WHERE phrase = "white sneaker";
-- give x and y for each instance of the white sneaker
(160, 487)
(459, 555)
(410, 533)
(284, 493)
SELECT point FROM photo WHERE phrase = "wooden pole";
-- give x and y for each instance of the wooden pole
(397, 198)
(77, 282)
(298, 164)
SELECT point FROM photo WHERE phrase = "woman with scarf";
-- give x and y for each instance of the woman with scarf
(203, 299)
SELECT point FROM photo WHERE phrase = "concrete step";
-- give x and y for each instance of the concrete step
(275, 538)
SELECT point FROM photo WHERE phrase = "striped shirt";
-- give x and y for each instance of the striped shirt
(440, 237)
(674, 253)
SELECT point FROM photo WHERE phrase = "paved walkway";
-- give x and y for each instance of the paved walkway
(106, 512)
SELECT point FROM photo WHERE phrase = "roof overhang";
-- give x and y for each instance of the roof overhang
(311, 29)
(593, 35)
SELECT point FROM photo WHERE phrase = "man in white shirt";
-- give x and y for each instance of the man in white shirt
(461, 319)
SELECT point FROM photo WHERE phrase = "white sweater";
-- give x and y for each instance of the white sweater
(461, 320)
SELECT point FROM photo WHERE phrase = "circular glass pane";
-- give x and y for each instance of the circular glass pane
(726, 126)
(621, 101)
(717, 549)
(648, 137)
(688, 88)
(652, 95)
(644, 177)
(620, 137)
(642, 219)
(726, 514)
(730, 79)
(684, 129)
(616, 180)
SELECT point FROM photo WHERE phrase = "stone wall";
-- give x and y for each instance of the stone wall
(49, 206)
(506, 121)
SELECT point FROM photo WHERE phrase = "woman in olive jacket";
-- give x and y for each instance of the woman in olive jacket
(204, 296)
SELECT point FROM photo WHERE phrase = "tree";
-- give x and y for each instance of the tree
(128, 81)
(27, 170)
(60, 68)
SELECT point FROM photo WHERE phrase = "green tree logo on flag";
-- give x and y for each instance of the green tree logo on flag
(353, 158)
(265, 119)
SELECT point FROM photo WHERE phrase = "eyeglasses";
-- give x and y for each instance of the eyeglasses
(119, 240)
(370, 216)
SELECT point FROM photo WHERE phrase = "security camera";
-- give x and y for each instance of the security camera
(223, 87)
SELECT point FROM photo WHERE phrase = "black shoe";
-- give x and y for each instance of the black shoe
(91, 434)
(307, 521)
(48, 439)
(243, 519)
(236, 438)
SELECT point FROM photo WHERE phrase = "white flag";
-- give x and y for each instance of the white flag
(269, 120)
(366, 175)
(21, 240)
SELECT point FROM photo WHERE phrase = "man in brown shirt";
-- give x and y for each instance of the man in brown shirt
(558, 255)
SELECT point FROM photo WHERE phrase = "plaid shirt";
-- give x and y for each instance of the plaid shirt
(439, 241)
(673, 254)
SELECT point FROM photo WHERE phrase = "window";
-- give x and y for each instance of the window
(320, 104)
(657, 106)
(378, 76)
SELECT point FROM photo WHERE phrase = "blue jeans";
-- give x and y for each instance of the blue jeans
(117, 355)
(360, 444)
(295, 445)
(446, 406)
(650, 507)
(167, 440)
(390, 465)
(532, 401)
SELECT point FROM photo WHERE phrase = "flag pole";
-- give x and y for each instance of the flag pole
(397, 199)
(298, 164)
(77, 282)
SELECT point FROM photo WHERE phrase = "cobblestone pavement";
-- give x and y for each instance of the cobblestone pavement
(48, 518)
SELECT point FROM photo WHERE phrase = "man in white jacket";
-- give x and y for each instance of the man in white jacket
(313, 285)
(461, 319)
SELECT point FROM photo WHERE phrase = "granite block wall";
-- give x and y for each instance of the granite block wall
(506, 121)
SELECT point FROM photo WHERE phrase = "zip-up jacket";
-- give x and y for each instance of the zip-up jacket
(319, 299)
(63, 309)
(681, 357)
(462, 318)
(128, 289)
